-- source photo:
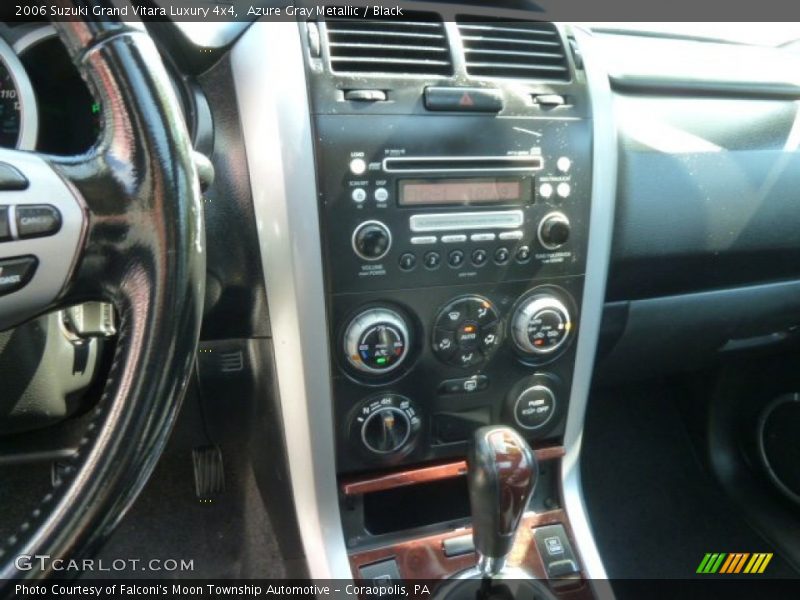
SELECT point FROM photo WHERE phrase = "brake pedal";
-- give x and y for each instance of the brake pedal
(209, 472)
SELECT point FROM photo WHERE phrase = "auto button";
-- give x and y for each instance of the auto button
(15, 273)
(37, 220)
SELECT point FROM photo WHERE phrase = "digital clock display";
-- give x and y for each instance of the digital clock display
(461, 192)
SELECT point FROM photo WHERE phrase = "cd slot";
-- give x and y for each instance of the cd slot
(506, 219)
(460, 164)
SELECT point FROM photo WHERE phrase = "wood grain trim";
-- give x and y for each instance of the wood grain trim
(386, 481)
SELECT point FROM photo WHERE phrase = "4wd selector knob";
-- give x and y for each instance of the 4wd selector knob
(376, 341)
(386, 425)
(554, 230)
(541, 325)
(372, 240)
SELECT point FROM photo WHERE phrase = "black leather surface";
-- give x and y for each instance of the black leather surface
(144, 251)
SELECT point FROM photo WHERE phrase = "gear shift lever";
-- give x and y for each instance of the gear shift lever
(501, 474)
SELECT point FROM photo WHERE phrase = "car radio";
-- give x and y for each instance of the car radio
(454, 252)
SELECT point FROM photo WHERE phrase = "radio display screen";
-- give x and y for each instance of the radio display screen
(484, 190)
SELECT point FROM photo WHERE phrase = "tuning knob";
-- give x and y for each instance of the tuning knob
(541, 325)
(372, 240)
(554, 230)
(385, 426)
(377, 341)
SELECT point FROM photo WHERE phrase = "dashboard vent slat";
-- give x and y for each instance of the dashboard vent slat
(417, 46)
(516, 49)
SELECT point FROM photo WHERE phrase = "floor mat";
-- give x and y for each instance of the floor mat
(654, 508)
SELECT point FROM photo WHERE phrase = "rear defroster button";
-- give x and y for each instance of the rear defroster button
(15, 273)
(37, 220)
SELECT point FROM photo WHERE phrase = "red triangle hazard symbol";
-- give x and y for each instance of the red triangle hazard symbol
(466, 100)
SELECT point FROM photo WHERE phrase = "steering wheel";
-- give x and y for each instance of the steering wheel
(122, 223)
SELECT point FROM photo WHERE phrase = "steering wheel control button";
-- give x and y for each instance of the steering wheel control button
(5, 226)
(554, 230)
(479, 257)
(37, 220)
(359, 195)
(11, 179)
(408, 261)
(372, 240)
(358, 166)
(432, 260)
(455, 259)
(15, 273)
(376, 341)
(541, 325)
(534, 407)
(464, 385)
(381, 194)
(466, 331)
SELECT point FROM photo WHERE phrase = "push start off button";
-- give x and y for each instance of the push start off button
(15, 273)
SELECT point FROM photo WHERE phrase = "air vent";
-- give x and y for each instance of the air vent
(416, 45)
(518, 49)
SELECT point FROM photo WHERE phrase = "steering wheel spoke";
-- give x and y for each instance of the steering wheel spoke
(42, 227)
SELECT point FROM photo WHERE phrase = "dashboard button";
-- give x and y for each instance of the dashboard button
(546, 190)
(454, 239)
(464, 385)
(432, 260)
(490, 338)
(358, 166)
(463, 99)
(408, 261)
(523, 254)
(15, 273)
(444, 343)
(510, 235)
(563, 190)
(381, 194)
(455, 258)
(11, 179)
(358, 195)
(534, 407)
(467, 335)
(5, 229)
(37, 220)
(563, 164)
(482, 237)
(479, 257)
(423, 240)
(501, 255)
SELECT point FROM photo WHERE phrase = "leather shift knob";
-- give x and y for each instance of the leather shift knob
(501, 474)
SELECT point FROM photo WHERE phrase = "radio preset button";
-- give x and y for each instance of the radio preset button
(455, 259)
(381, 194)
(563, 190)
(408, 261)
(546, 190)
(479, 257)
(454, 239)
(563, 164)
(358, 166)
(501, 255)
(423, 240)
(359, 195)
(432, 260)
(510, 235)
(523, 254)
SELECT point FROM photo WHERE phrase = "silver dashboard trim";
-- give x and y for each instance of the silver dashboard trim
(604, 170)
(278, 138)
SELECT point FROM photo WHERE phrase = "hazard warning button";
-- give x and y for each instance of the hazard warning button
(463, 99)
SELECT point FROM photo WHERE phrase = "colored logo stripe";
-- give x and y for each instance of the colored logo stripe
(733, 563)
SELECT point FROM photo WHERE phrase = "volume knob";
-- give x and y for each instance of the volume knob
(554, 230)
(372, 240)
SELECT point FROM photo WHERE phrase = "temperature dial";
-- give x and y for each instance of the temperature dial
(541, 325)
(376, 341)
(386, 425)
